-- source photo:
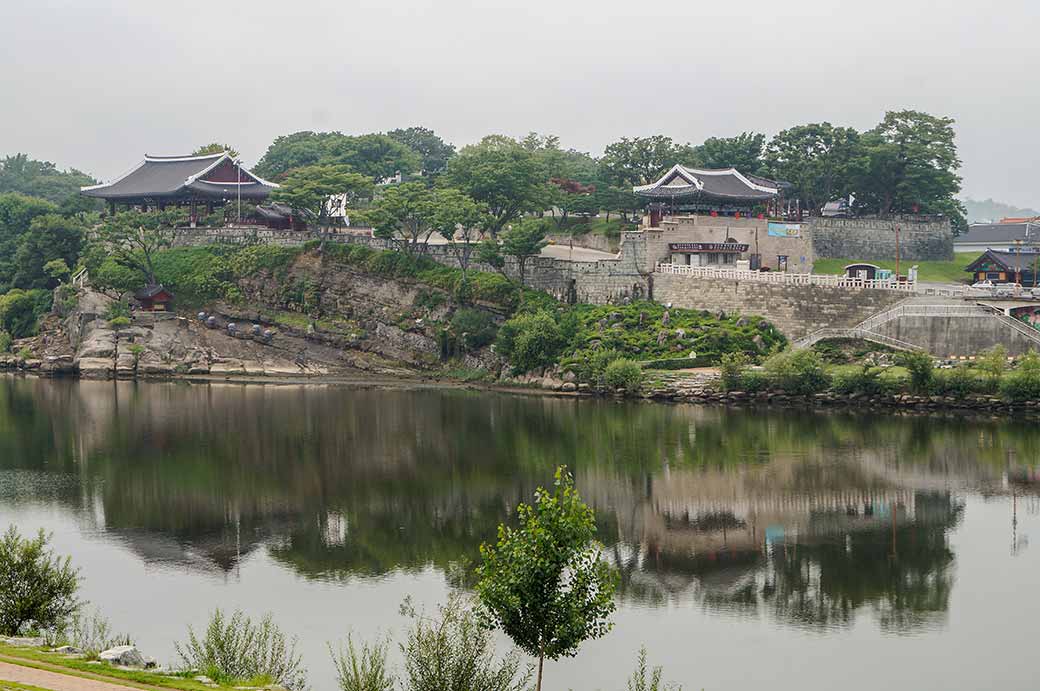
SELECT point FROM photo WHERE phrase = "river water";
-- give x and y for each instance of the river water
(757, 547)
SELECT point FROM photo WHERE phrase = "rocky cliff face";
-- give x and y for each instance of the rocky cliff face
(310, 320)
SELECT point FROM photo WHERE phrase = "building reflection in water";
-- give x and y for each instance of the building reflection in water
(810, 519)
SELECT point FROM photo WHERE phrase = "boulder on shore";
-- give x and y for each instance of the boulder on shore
(123, 656)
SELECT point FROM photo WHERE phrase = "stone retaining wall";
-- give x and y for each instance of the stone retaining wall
(872, 238)
(794, 309)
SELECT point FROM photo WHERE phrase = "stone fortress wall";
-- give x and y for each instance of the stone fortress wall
(919, 238)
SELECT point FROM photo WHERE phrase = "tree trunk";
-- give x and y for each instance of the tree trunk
(541, 660)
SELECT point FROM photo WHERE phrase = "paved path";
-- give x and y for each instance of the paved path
(55, 681)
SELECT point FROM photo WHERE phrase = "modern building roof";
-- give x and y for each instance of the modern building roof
(726, 184)
(1000, 234)
(213, 176)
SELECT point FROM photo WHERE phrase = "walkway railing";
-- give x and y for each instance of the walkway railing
(784, 278)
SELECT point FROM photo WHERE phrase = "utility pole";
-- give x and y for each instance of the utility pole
(897, 253)
(238, 167)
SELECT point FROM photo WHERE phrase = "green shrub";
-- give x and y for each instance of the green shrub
(91, 633)
(454, 652)
(753, 381)
(624, 374)
(959, 382)
(37, 588)
(119, 322)
(732, 367)
(530, 341)
(364, 668)
(117, 309)
(921, 368)
(798, 372)
(866, 381)
(20, 310)
(1021, 385)
(478, 326)
(237, 649)
(639, 681)
(5, 342)
(679, 363)
(591, 364)
(25, 354)
(993, 362)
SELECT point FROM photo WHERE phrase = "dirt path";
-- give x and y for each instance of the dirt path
(55, 681)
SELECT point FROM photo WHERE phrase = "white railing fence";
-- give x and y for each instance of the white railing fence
(784, 278)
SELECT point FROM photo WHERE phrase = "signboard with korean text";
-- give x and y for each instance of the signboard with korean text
(785, 230)
(696, 247)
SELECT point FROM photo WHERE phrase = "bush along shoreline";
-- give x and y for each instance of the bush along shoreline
(992, 383)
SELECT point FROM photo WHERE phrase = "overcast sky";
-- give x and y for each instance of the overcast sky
(96, 84)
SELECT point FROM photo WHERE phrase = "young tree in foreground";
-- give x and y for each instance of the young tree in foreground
(404, 211)
(37, 588)
(310, 188)
(544, 583)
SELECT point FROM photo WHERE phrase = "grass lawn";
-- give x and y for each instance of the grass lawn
(11, 686)
(78, 667)
(929, 272)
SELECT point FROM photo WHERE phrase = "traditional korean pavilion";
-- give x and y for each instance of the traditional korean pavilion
(161, 181)
(724, 191)
(1006, 267)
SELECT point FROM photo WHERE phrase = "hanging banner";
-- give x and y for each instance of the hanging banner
(785, 230)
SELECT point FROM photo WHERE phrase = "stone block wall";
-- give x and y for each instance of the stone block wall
(796, 310)
(944, 336)
(873, 238)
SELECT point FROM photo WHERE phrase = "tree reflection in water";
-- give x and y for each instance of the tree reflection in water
(808, 518)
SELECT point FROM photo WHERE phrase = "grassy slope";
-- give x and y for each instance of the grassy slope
(930, 272)
(78, 667)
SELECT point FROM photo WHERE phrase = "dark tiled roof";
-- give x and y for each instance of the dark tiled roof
(1001, 233)
(725, 184)
(1009, 260)
(150, 292)
(176, 176)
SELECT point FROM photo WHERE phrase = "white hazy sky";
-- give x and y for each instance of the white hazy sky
(95, 84)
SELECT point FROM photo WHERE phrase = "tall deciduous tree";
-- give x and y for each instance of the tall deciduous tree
(508, 178)
(523, 241)
(133, 239)
(309, 189)
(17, 212)
(639, 160)
(743, 152)
(377, 156)
(37, 587)
(544, 582)
(50, 237)
(815, 159)
(405, 211)
(42, 179)
(907, 164)
(433, 151)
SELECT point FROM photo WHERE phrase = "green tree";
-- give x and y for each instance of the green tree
(743, 152)
(37, 588)
(40, 179)
(906, 164)
(544, 583)
(20, 310)
(504, 176)
(50, 238)
(17, 212)
(309, 189)
(461, 221)
(404, 211)
(523, 241)
(133, 239)
(433, 151)
(815, 159)
(530, 340)
(376, 156)
(215, 148)
(640, 160)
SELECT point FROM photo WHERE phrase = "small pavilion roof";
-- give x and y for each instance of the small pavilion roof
(724, 184)
(213, 176)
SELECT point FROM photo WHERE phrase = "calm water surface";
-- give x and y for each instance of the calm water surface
(789, 549)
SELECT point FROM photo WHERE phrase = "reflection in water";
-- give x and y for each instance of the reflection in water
(805, 519)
